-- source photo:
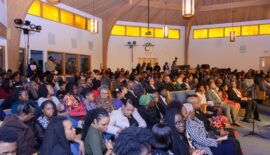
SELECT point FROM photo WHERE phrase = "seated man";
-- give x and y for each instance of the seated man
(124, 117)
(245, 102)
(229, 110)
(8, 141)
(201, 139)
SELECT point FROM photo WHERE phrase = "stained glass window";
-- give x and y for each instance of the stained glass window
(200, 33)
(237, 30)
(80, 22)
(119, 30)
(50, 12)
(250, 30)
(265, 29)
(174, 34)
(132, 31)
(67, 17)
(159, 33)
(145, 29)
(35, 8)
(216, 32)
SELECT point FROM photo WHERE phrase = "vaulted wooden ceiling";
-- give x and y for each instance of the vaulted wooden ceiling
(211, 11)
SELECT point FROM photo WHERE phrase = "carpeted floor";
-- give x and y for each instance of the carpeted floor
(253, 145)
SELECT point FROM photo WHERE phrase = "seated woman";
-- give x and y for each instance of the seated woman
(89, 99)
(224, 88)
(46, 92)
(20, 122)
(119, 96)
(71, 99)
(96, 123)
(162, 139)
(133, 141)
(150, 87)
(48, 111)
(175, 120)
(19, 96)
(6, 88)
(148, 110)
(58, 136)
(124, 117)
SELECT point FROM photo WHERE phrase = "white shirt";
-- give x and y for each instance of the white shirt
(202, 98)
(163, 99)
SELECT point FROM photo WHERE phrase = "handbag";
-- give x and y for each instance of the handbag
(79, 111)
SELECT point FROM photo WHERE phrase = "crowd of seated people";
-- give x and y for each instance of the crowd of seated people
(115, 109)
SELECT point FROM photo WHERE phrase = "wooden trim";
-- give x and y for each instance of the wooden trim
(3, 31)
(4, 57)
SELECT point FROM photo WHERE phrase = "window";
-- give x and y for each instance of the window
(200, 33)
(119, 30)
(133, 31)
(229, 29)
(80, 22)
(2, 58)
(145, 29)
(84, 63)
(38, 58)
(159, 33)
(174, 34)
(59, 61)
(50, 12)
(265, 29)
(250, 30)
(35, 8)
(216, 32)
(71, 63)
(67, 17)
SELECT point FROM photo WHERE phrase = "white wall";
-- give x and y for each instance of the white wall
(3, 12)
(220, 52)
(165, 50)
(63, 35)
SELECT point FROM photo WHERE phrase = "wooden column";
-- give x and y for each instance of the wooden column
(188, 29)
(3, 31)
(108, 23)
(15, 9)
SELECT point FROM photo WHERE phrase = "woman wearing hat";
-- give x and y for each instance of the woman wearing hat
(148, 110)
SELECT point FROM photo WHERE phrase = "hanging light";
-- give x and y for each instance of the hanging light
(94, 22)
(54, 1)
(165, 27)
(188, 8)
(232, 36)
(94, 25)
(165, 31)
(232, 33)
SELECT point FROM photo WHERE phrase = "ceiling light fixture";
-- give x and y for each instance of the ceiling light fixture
(165, 27)
(188, 8)
(94, 22)
(148, 33)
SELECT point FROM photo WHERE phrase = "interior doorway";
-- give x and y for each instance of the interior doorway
(265, 63)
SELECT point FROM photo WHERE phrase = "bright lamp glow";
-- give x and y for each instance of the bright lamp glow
(232, 36)
(94, 25)
(188, 8)
(165, 31)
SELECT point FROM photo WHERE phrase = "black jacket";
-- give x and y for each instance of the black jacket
(151, 115)
(134, 99)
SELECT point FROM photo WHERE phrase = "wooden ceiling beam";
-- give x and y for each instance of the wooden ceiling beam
(212, 7)
(234, 5)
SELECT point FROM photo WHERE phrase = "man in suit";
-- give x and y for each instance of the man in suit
(138, 87)
(229, 110)
(235, 95)
(162, 102)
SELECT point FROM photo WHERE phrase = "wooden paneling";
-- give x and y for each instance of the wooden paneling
(3, 30)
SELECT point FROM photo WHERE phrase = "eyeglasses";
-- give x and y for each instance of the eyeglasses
(180, 123)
